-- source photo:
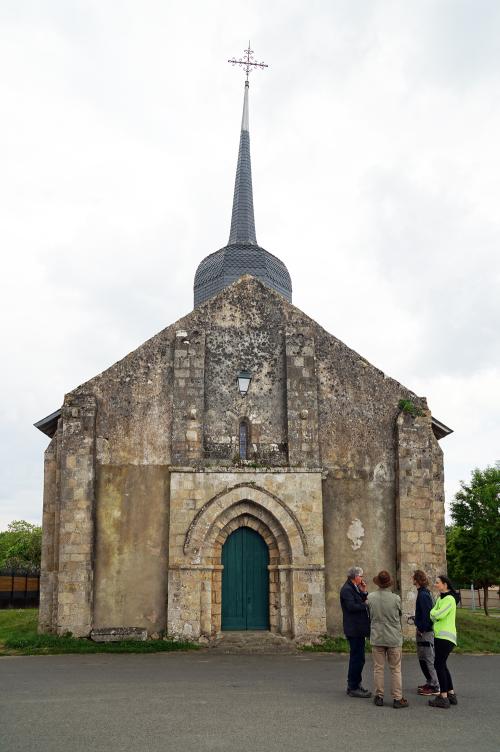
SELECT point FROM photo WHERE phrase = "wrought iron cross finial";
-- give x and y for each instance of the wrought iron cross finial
(247, 62)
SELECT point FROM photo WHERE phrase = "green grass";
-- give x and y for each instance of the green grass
(477, 633)
(18, 636)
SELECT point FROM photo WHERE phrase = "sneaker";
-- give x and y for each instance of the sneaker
(402, 703)
(452, 698)
(428, 690)
(440, 702)
(378, 701)
(421, 686)
(359, 693)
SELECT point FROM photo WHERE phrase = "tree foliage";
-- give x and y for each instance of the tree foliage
(473, 544)
(455, 569)
(21, 546)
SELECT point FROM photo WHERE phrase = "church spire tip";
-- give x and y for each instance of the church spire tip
(242, 218)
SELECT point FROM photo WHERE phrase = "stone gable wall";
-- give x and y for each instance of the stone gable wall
(312, 402)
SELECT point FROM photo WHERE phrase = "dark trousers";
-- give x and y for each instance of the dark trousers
(356, 661)
(442, 649)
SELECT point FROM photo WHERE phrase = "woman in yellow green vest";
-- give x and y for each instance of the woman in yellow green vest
(445, 638)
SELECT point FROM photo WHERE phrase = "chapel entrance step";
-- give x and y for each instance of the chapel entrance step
(260, 641)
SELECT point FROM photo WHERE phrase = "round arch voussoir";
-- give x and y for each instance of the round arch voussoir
(264, 504)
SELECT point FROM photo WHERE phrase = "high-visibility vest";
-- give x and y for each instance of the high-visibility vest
(443, 618)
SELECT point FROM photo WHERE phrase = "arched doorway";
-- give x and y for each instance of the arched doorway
(245, 581)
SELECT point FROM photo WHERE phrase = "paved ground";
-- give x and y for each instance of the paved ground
(261, 703)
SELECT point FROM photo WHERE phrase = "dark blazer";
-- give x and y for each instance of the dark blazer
(422, 610)
(354, 611)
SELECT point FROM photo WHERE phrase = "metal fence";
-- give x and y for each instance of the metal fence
(19, 589)
(474, 599)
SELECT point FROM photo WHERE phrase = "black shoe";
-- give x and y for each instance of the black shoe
(359, 693)
(363, 689)
(440, 702)
(378, 701)
(452, 698)
(402, 703)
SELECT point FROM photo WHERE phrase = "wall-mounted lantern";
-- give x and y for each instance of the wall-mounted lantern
(244, 378)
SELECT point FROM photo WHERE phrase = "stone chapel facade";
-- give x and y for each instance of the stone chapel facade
(176, 502)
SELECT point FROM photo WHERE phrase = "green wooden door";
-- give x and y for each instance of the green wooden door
(245, 581)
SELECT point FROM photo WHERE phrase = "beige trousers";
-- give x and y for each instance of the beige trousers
(393, 655)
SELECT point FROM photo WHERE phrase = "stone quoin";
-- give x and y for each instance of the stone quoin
(155, 463)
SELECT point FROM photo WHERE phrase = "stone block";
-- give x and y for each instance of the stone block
(117, 634)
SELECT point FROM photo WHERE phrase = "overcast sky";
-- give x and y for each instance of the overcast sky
(375, 155)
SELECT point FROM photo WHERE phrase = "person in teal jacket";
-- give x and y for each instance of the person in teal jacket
(445, 638)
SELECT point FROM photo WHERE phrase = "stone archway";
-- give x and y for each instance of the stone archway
(206, 507)
(263, 499)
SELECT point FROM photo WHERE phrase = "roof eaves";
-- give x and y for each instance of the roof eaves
(48, 425)
(439, 429)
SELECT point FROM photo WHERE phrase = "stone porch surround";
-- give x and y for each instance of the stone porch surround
(285, 506)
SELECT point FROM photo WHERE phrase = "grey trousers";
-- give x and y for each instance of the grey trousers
(425, 654)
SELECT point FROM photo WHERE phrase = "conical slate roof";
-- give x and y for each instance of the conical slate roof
(241, 255)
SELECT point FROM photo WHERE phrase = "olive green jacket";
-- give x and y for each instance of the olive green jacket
(385, 618)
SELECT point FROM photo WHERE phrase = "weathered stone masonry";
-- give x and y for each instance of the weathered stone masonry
(69, 507)
(141, 449)
(285, 507)
(420, 527)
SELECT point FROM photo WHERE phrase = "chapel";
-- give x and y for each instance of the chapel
(226, 474)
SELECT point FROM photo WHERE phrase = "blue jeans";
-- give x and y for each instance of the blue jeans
(356, 661)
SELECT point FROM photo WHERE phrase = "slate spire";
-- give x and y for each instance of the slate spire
(242, 218)
(241, 255)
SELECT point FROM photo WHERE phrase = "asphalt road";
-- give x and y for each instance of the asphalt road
(262, 703)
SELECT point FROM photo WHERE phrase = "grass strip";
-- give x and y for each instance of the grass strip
(18, 636)
(477, 633)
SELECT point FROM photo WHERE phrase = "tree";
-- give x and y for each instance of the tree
(475, 540)
(455, 570)
(21, 546)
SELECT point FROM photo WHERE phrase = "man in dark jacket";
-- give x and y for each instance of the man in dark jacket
(425, 634)
(356, 628)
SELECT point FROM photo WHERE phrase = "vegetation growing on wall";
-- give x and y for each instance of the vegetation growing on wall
(407, 406)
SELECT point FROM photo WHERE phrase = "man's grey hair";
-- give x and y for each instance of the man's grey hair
(354, 572)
